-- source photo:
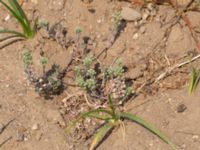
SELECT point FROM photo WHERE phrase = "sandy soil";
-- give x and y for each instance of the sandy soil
(39, 122)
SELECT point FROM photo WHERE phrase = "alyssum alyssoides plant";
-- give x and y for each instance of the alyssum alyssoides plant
(112, 118)
(17, 12)
(50, 83)
(100, 81)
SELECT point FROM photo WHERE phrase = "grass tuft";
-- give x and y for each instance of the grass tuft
(17, 12)
(112, 119)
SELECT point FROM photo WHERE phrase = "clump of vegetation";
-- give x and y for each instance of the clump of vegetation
(16, 10)
(114, 72)
(86, 75)
(50, 83)
(42, 24)
(102, 81)
(27, 58)
(117, 18)
(112, 118)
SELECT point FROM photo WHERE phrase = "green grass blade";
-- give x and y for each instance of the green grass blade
(17, 8)
(197, 79)
(11, 32)
(148, 126)
(20, 18)
(194, 79)
(92, 113)
(101, 133)
(99, 116)
(111, 105)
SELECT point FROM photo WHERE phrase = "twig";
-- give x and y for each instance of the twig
(5, 141)
(9, 41)
(115, 34)
(7, 124)
(87, 101)
(170, 69)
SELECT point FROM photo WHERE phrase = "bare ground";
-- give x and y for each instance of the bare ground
(146, 58)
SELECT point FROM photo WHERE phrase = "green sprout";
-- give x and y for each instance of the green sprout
(87, 62)
(54, 80)
(44, 61)
(194, 79)
(42, 23)
(117, 19)
(86, 75)
(78, 30)
(27, 58)
(87, 84)
(112, 119)
(113, 72)
(16, 10)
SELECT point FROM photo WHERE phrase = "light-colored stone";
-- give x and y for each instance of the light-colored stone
(130, 14)
(7, 18)
(135, 36)
(142, 29)
(56, 4)
(35, 126)
(34, 1)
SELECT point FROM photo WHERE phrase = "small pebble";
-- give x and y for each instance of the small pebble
(34, 1)
(99, 21)
(195, 137)
(35, 127)
(142, 29)
(150, 6)
(7, 18)
(130, 14)
(181, 108)
(135, 36)
(145, 16)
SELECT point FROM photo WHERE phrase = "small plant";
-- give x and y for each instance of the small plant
(50, 83)
(194, 79)
(42, 24)
(86, 75)
(99, 82)
(112, 119)
(78, 30)
(27, 58)
(113, 72)
(44, 62)
(16, 10)
(117, 19)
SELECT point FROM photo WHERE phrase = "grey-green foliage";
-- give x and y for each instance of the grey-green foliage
(87, 62)
(27, 58)
(44, 61)
(117, 19)
(54, 80)
(78, 30)
(115, 71)
(42, 23)
(86, 75)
